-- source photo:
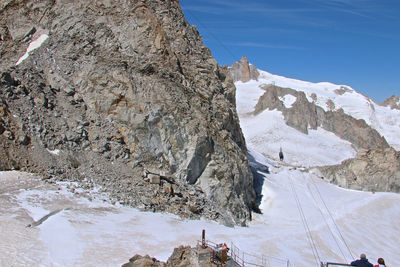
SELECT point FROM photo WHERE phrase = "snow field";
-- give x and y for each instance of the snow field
(383, 119)
(268, 132)
(329, 211)
(96, 233)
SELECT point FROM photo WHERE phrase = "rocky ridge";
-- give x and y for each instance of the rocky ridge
(303, 115)
(371, 170)
(123, 95)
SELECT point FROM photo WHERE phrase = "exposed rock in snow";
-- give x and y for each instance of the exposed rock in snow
(371, 170)
(304, 115)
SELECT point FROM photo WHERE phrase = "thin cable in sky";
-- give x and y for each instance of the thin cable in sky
(234, 57)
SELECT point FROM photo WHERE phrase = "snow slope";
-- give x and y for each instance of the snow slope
(385, 120)
(96, 233)
(267, 133)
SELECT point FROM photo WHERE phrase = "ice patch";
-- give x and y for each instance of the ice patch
(288, 100)
(54, 152)
(32, 46)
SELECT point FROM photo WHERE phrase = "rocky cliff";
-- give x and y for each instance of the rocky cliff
(122, 94)
(243, 71)
(371, 170)
(304, 115)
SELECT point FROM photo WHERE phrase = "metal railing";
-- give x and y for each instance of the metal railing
(333, 264)
(245, 259)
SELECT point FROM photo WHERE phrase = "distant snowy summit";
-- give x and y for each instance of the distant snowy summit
(286, 93)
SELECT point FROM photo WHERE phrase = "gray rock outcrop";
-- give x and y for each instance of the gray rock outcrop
(243, 71)
(371, 170)
(392, 102)
(144, 261)
(304, 115)
(122, 94)
(183, 256)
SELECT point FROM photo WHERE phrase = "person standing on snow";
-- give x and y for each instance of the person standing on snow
(381, 263)
(281, 154)
(362, 262)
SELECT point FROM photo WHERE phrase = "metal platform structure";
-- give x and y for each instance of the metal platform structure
(236, 257)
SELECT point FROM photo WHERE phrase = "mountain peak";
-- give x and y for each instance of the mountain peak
(244, 60)
(392, 102)
(243, 71)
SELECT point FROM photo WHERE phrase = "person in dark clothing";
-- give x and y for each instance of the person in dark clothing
(362, 262)
(281, 154)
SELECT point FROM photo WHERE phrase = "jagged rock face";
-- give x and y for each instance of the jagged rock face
(243, 71)
(371, 170)
(303, 115)
(393, 102)
(119, 91)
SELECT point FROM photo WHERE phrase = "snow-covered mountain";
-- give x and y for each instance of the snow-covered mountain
(267, 132)
(328, 96)
(319, 124)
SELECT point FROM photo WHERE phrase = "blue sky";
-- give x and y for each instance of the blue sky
(352, 42)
